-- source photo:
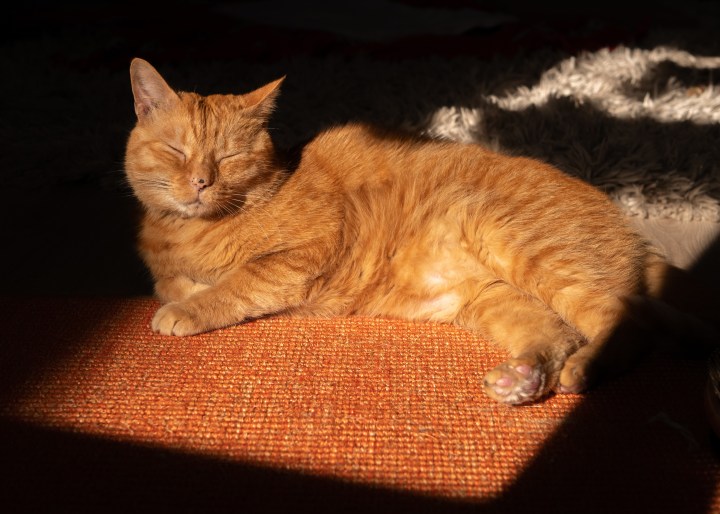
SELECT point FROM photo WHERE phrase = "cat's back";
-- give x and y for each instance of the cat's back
(361, 155)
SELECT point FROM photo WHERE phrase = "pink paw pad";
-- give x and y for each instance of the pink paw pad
(515, 383)
(524, 369)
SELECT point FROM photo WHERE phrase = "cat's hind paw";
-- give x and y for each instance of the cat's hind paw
(173, 320)
(574, 377)
(516, 381)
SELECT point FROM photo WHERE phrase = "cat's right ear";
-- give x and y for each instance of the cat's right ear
(150, 90)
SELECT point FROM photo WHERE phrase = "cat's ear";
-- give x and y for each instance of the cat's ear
(150, 90)
(262, 100)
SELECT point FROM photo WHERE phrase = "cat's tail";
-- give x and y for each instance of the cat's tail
(678, 307)
(712, 392)
(679, 311)
(689, 313)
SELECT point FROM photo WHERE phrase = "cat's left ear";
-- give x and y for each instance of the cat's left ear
(149, 89)
(262, 100)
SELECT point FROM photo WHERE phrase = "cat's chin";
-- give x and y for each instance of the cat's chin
(197, 210)
(200, 209)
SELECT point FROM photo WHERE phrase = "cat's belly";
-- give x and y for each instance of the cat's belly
(431, 278)
(443, 307)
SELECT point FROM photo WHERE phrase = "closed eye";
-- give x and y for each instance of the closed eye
(228, 156)
(177, 151)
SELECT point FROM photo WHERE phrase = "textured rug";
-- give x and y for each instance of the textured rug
(98, 414)
(640, 124)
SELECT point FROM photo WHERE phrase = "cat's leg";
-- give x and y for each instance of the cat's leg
(177, 289)
(617, 339)
(621, 331)
(539, 341)
(267, 285)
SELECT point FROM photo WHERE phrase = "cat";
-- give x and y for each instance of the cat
(380, 223)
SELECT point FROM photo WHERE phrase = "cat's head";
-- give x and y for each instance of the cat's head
(198, 156)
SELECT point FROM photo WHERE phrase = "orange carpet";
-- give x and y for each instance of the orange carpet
(340, 415)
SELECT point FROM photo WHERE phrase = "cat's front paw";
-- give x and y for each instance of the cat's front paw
(173, 319)
(516, 381)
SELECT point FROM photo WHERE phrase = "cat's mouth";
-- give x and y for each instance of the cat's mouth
(204, 205)
(195, 208)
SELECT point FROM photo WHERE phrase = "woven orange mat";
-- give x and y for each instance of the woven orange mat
(336, 415)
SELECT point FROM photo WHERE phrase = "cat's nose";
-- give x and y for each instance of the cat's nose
(200, 183)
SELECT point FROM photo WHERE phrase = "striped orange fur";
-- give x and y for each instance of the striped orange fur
(381, 224)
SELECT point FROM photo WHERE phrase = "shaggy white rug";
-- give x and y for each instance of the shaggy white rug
(640, 124)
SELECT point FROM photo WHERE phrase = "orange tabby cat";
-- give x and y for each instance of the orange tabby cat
(378, 224)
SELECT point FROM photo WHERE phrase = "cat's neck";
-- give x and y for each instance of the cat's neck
(264, 193)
